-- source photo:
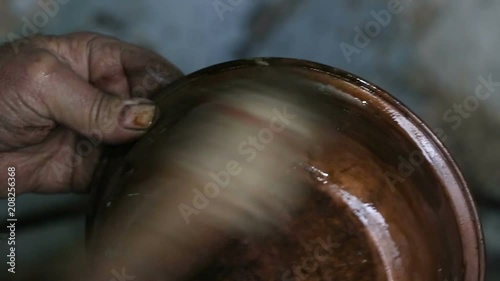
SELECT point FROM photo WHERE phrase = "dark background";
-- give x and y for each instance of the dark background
(430, 56)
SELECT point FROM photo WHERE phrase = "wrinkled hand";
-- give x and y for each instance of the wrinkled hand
(62, 96)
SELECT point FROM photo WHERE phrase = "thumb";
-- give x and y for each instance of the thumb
(76, 104)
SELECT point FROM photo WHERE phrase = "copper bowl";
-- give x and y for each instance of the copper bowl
(391, 198)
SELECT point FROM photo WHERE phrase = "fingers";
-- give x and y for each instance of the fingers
(113, 66)
(92, 84)
(107, 75)
(71, 101)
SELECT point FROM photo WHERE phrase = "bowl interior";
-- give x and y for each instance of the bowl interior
(390, 204)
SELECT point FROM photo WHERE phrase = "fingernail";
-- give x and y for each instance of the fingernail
(138, 116)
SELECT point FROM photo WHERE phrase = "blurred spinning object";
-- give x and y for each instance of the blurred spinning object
(224, 171)
(280, 169)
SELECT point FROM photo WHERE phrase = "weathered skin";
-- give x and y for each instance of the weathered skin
(55, 89)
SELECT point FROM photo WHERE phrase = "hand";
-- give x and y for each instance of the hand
(62, 96)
